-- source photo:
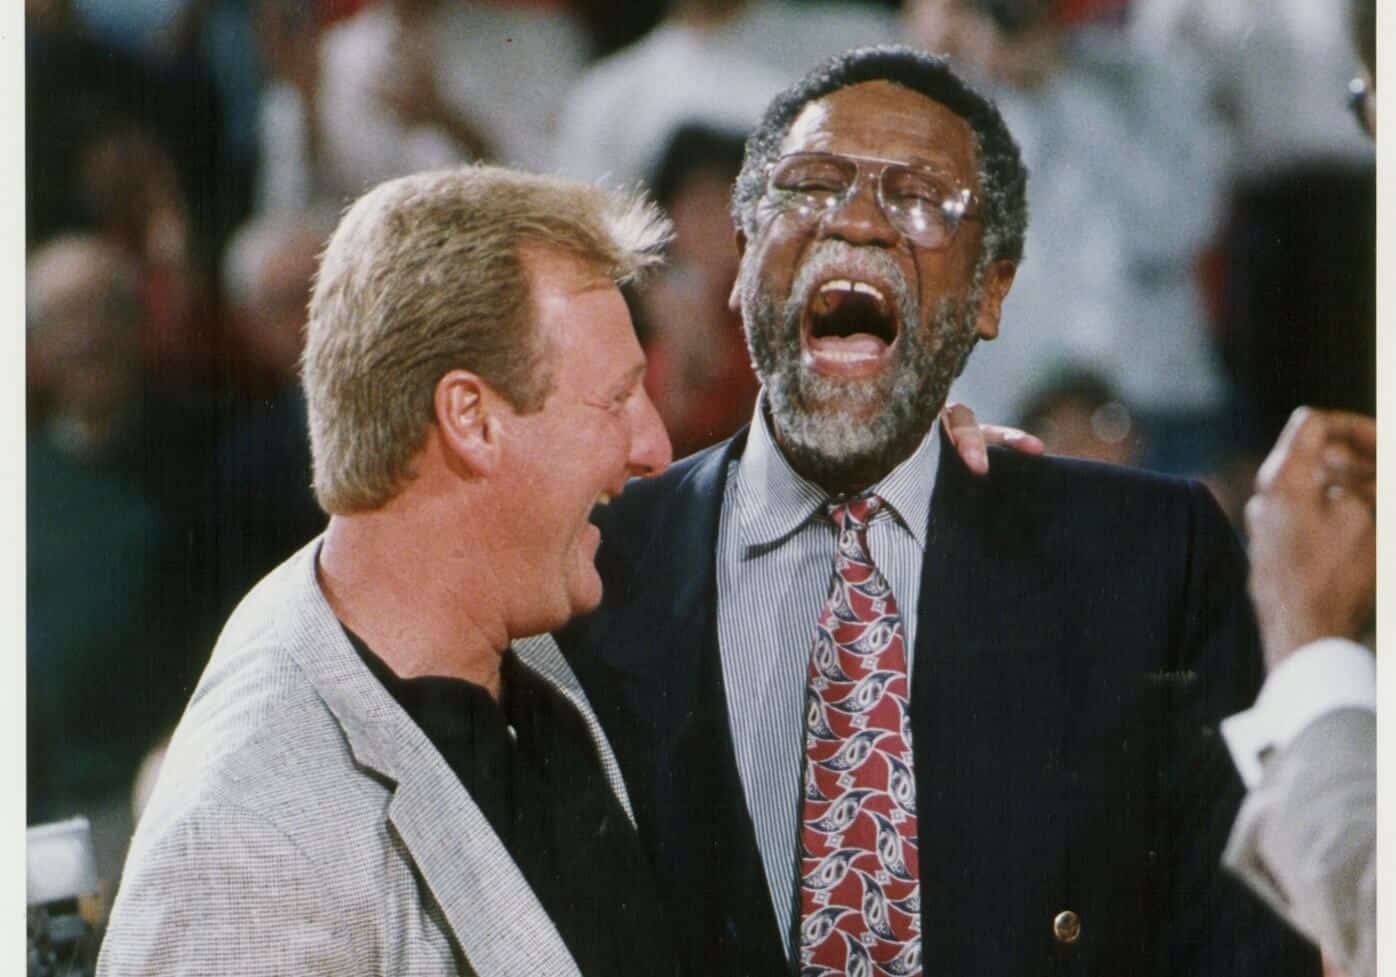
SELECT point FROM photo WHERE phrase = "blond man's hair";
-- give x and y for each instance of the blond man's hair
(425, 274)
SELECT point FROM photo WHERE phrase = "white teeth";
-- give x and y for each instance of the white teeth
(844, 356)
(844, 285)
(867, 289)
(603, 498)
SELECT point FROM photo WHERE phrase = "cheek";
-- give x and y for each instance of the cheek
(943, 280)
(776, 254)
(601, 452)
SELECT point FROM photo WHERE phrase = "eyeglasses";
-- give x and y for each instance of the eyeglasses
(920, 204)
(1359, 98)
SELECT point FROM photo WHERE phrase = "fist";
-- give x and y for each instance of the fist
(1312, 527)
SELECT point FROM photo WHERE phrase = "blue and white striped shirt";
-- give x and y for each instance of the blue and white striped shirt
(775, 559)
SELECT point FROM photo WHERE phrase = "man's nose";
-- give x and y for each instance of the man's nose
(859, 218)
(650, 450)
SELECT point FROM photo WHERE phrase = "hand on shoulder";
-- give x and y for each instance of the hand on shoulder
(972, 439)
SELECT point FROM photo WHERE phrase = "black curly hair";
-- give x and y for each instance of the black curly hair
(1002, 175)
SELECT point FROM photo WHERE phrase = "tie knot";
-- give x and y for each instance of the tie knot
(855, 513)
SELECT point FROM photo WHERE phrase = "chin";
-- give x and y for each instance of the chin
(586, 604)
(584, 595)
(843, 399)
(833, 426)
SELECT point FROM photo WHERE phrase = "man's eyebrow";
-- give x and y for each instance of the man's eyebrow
(938, 164)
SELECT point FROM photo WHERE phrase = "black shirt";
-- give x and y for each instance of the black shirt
(530, 764)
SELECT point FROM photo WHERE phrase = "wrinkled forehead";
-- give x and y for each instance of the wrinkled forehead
(884, 120)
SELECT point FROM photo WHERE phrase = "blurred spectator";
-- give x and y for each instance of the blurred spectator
(214, 40)
(1277, 67)
(267, 272)
(1077, 414)
(1126, 163)
(76, 85)
(1305, 838)
(714, 61)
(264, 507)
(84, 302)
(699, 375)
(1300, 278)
(115, 482)
(126, 183)
(406, 85)
(611, 26)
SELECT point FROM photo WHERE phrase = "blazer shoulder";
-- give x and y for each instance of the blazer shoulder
(1088, 493)
(689, 486)
(699, 472)
(1011, 469)
(258, 737)
(1077, 520)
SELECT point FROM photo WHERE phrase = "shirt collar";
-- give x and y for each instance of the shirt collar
(773, 500)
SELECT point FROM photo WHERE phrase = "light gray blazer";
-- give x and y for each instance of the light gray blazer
(1305, 839)
(303, 824)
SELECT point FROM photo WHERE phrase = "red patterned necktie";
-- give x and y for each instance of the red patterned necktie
(860, 882)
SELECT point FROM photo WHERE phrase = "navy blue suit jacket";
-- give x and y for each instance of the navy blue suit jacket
(1082, 630)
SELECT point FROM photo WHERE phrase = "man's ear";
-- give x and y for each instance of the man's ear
(466, 414)
(998, 278)
(734, 300)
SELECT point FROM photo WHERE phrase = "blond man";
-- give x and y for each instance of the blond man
(375, 774)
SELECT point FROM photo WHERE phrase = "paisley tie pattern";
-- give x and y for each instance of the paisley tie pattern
(860, 888)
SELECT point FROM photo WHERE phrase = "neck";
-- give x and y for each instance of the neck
(411, 591)
(839, 482)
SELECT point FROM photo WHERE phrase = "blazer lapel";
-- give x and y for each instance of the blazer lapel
(655, 645)
(495, 916)
(541, 655)
(974, 541)
(737, 931)
(989, 681)
(489, 907)
(666, 610)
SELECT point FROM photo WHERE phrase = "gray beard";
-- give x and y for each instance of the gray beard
(831, 428)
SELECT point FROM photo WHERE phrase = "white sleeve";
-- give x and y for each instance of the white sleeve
(1322, 677)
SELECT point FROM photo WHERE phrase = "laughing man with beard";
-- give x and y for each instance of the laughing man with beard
(881, 716)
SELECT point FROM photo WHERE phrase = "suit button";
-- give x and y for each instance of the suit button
(1066, 927)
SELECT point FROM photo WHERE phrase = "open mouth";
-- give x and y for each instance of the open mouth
(850, 326)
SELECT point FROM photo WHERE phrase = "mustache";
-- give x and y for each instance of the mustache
(827, 257)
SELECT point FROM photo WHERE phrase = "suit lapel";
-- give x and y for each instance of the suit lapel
(490, 909)
(658, 639)
(670, 595)
(950, 545)
(541, 655)
(495, 916)
(979, 553)
(985, 569)
(990, 678)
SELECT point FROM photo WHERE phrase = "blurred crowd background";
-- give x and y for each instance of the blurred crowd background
(1200, 261)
